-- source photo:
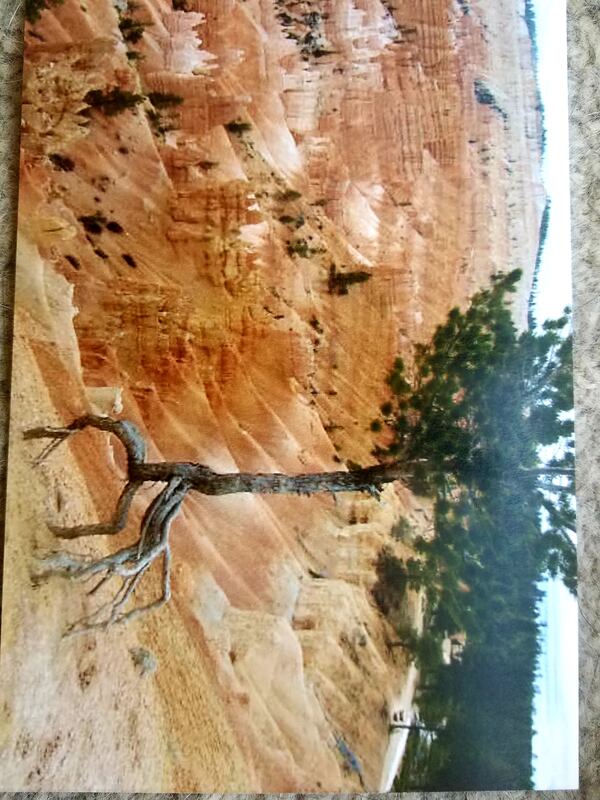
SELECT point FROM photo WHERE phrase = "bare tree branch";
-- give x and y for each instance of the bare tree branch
(125, 431)
(130, 564)
(116, 524)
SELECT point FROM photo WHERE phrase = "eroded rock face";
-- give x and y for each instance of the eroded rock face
(177, 263)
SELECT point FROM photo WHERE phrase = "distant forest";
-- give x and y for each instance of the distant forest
(478, 712)
(530, 21)
(543, 235)
(503, 522)
(481, 709)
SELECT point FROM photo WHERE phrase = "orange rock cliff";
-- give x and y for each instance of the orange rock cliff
(176, 268)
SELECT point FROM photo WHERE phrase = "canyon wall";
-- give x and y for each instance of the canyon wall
(180, 265)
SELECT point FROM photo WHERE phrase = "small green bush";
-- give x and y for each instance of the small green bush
(485, 96)
(320, 52)
(296, 222)
(93, 223)
(34, 8)
(97, 222)
(112, 101)
(427, 651)
(353, 465)
(339, 282)
(407, 636)
(390, 589)
(143, 660)
(159, 123)
(131, 29)
(164, 99)
(312, 19)
(300, 247)
(288, 195)
(63, 163)
(160, 118)
(238, 127)
(402, 530)
(315, 325)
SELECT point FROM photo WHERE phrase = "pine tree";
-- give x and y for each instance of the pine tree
(465, 424)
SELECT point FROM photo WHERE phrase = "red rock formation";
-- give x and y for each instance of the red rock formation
(205, 313)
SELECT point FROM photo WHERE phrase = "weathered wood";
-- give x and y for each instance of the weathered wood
(204, 480)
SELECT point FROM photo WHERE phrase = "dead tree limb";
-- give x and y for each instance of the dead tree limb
(115, 525)
(130, 564)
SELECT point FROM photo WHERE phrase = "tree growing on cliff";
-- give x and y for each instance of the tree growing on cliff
(467, 419)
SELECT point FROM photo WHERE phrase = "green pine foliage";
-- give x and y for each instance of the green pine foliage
(34, 8)
(390, 587)
(531, 22)
(485, 96)
(132, 30)
(112, 101)
(543, 235)
(471, 414)
(339, 282)
(162, 100)
(238, 127)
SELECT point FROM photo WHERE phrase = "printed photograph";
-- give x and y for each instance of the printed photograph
(291, 474)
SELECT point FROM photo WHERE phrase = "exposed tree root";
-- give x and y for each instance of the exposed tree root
(114, 525)
(131, 563)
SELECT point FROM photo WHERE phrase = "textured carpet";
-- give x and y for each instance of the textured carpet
(584, 58)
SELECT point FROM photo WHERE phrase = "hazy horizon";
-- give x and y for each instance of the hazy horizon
(556, 717)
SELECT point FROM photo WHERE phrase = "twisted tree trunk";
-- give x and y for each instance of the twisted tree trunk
(204, 480)
(131, 563)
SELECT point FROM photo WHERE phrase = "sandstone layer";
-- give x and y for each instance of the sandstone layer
(201, 307)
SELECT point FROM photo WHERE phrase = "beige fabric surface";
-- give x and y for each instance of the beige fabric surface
(584, 33)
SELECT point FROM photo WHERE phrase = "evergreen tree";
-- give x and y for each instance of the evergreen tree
(474, 411)
(466, 424)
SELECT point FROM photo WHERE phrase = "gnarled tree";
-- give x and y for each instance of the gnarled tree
(469, 417)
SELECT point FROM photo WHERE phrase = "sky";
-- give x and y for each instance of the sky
(556, 743)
